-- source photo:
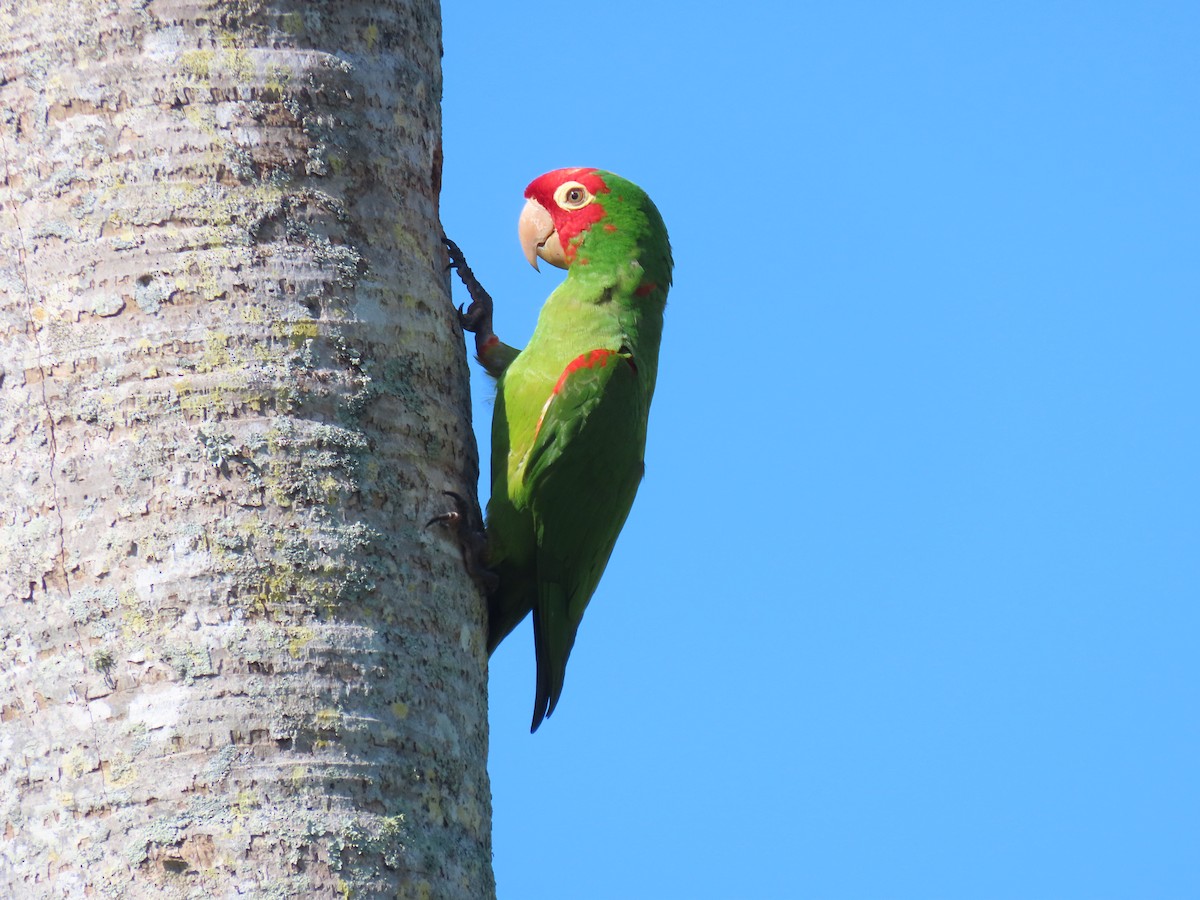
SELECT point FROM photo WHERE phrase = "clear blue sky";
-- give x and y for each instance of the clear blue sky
(909, 602)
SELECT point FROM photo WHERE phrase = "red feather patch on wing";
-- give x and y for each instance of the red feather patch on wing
(593, 359)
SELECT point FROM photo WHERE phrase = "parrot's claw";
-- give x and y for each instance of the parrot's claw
(477, 319)
(474, 543)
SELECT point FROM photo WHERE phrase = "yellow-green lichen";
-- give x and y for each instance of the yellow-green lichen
(244, 803)
(240, 64)
(76, 762)
(119, 771)
(196, 63)
(292, 23)
(202, 65)
(296, 331)
(253, 315)
(298, 639)
(216, 352)
(328, 719)
(277, 78)
(134, 623)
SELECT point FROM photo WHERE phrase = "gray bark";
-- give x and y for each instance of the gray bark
(233, 662)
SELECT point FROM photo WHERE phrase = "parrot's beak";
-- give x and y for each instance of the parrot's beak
(538, 237)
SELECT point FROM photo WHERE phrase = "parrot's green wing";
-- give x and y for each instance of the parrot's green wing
(582, 473)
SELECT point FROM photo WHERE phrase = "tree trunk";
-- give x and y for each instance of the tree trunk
(232, 659)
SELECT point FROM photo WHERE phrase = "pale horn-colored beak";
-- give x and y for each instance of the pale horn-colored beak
(538, 237)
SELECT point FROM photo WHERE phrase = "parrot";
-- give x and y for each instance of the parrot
(571, 409)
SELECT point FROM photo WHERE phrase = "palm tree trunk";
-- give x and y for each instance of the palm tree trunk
(232, 659)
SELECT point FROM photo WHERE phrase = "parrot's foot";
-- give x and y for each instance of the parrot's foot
(476, 318)
(493, 354)
(471, 537)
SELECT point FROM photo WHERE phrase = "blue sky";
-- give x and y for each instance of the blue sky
(907, 604)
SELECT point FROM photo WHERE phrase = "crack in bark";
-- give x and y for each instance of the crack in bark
(23, 269)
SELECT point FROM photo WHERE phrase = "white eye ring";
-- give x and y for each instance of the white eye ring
(572, 195)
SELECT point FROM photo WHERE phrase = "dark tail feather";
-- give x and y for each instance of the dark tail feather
(541, 697)
(553, 638)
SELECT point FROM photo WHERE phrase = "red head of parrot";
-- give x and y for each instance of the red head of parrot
(559, 207)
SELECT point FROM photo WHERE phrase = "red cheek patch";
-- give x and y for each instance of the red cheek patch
(569, 224)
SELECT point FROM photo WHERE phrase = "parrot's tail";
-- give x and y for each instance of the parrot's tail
(553, 638)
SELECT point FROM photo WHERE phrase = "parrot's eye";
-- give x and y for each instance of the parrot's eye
(572, 195)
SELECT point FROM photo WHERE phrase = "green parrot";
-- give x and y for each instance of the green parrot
(569, 426)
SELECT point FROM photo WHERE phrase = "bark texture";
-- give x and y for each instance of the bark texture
(233, 662)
